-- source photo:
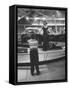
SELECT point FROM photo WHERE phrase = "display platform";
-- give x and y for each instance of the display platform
(43, 55)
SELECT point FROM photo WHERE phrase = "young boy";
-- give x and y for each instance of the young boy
(34, 59)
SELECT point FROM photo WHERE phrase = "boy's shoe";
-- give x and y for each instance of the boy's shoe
(38, 73)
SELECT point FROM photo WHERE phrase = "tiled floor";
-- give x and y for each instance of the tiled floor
(51, 71)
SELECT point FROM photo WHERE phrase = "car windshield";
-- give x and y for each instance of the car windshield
(36, 31)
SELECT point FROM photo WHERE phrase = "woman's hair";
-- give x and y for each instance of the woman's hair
(45, 23)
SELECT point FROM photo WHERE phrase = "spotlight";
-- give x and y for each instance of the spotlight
(27, 18)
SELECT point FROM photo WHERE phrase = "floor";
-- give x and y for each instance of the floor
(50, 71)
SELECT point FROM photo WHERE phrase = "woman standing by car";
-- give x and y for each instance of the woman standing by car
(45, 36)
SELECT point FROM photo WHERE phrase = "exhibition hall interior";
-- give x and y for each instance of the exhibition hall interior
(51, 45)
